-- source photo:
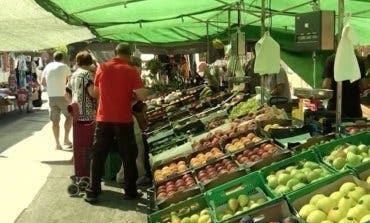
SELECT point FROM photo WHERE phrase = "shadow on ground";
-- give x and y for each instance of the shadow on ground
(16, 126)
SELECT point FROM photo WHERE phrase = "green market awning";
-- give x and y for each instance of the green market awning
(170, 21)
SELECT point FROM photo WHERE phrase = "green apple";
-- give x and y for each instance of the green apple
(337, 195)
(261, 200)
(194, 218)
(316, 198)
(316, 216)
(356, 193)
(226, 216)
(272, 181)
(357, 212)
(347, 187)
(311, 165)
(365, 219)
(294, 172)
(290, 168)
(306, 210)
(282, 189)
(281, 172)
(353, 159)
(345, 203)
(336, 214)
(283, 178)
(365, 200)
(243, 200)
(325, 204)
(301, 177)
(233, 204)
(311, 176)
(352, 149)
(204, 212)
(348, 220)
(327, 221)
(186, 220)
(306, 170)
(298, 186)
(292, 182)
(363, 148)
(339, 163)
(246, 208)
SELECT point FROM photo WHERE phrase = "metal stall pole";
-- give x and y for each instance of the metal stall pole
(207, 27)
(339, 83)
(263, 29)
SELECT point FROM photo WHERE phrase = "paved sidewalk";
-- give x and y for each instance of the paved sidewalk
(35, 178)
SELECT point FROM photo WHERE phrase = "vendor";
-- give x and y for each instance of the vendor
(351, 107)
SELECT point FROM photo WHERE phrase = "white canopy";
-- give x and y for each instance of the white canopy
(25, 26)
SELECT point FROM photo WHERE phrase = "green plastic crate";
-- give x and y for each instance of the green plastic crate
(184, 209)
(250, 184)
(112, 166)
(299, 198)
(304, 156)
(326, 148)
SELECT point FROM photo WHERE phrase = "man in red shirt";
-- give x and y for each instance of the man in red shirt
(117, 85)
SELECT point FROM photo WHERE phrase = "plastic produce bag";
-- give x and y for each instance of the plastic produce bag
(267, 56)
(346, 65)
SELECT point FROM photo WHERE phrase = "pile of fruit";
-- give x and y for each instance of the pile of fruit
(239, 205)
(244, 108)
(166, 171)
(214, 139)
(268, 127)
(202, 158)
(348, 154)
(238, 143)
(171, 187)
(257, 153)
(215, 122)
(203, 216)
(351, 204)
(356, 129)
(295, 177)
(213, 170)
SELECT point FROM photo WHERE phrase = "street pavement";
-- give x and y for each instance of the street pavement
(34, 178)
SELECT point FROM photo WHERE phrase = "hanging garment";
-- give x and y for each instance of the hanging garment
(267, 56)
(346, 65)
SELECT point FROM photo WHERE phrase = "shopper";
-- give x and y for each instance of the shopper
(351, 107)
(82, 87)
(54, 78)
(185, 69)
(117, 85)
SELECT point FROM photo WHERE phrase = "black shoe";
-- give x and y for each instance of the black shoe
(132, 197)
(91, 197)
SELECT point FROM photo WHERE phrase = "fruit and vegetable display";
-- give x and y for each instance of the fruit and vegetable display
(202, 217)
(169, 170)
(350, 204)
(254, 154)
(356, 129)
(238, 143)
(348, 154)
(171, 187)
(212, 171)
(202, 158)
(238, 205)
(268, 127)
(295, 177)
(243, 108)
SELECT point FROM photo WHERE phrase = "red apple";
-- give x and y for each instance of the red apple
(162, 187)
(254, 158)
(170, 193)
(243, 159)
(169, 183)
(238, 157)
(260, 152)
(265, 154)
(161, 195)
(179, 182)
(202, 174)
